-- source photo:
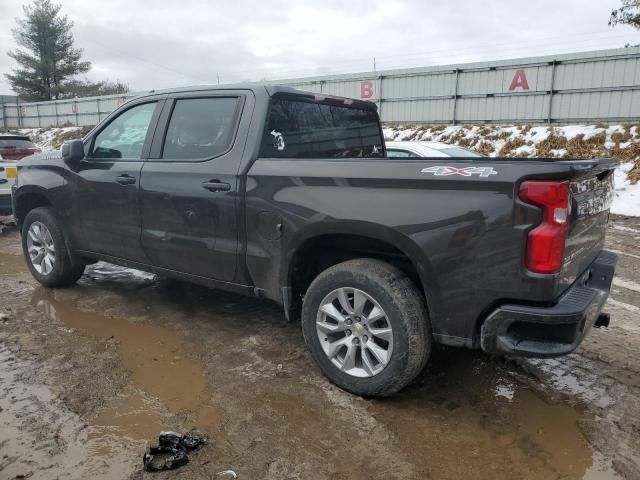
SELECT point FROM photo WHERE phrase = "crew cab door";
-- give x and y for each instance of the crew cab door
(189, 189)
(104, 189)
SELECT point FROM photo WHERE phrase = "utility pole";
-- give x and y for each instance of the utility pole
(374, 64)
(218, 75)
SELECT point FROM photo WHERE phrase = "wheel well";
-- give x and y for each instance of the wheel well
(28, 202)
(322, 252)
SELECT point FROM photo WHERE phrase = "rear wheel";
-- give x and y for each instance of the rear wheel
(45, 250)
(366, 325)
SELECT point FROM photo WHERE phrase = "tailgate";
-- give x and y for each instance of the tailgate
(591, 197)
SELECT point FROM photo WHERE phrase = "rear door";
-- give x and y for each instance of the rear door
(105, 210)
(189, 190)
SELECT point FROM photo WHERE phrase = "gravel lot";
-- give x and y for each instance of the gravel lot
(88, 374)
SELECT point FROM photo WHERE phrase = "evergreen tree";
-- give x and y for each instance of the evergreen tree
(47, 57)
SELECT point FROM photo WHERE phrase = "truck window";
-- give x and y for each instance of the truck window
(200, 128)
(307, 129)
(123, 138)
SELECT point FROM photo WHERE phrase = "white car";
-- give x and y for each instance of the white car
(427, 149)
(8, 172)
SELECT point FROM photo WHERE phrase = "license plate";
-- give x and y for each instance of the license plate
(11, 172)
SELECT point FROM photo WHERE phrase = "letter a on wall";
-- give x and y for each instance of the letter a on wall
(519, 81)
(366, 89)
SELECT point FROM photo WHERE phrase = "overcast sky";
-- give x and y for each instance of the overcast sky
(168, 43)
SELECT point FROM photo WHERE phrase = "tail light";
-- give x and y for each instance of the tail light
(545, 243)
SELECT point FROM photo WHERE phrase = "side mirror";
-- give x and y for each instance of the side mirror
(73, 152)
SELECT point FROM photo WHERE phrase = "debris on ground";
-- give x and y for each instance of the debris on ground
(228, 474)
(171, 451)
(7, 224)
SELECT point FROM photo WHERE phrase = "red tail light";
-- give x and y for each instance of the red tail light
(545, 243)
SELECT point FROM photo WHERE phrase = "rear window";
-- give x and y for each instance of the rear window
(15, 143)
(300, 128)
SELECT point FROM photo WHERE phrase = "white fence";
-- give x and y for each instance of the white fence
(599, 86)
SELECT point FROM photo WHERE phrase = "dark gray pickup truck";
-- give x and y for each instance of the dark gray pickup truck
(288, 195)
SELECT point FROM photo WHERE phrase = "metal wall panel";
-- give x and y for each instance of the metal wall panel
(582, 87)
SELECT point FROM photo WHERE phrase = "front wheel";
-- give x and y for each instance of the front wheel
(366, 325)
(45, 250)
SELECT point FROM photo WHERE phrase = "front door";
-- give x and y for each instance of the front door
(189, 191)
(106, 213)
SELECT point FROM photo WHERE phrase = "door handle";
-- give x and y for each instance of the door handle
(126, 179)
(216, 186)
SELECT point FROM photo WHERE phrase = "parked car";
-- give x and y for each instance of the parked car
(428, 149)
(287, 195)
(8, 172)
(16, 147)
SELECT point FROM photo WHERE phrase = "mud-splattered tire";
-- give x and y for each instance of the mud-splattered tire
(387, 366)
(48, 239)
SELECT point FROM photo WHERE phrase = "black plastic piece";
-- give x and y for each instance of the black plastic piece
(538, 331)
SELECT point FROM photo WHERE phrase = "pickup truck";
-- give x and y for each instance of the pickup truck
(287, 195)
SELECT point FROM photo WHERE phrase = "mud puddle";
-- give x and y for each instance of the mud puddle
(12, 264)
(483, 420)
(41, 439)
(165, 381)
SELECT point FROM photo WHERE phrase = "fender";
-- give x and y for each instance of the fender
(364, 229)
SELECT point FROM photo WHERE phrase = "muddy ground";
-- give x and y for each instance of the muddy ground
(89, 373)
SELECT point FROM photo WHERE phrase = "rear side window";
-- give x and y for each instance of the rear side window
(200, 128)
(308, 129)
(15, 143)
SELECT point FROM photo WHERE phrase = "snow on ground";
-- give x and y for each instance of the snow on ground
(627, 199)
(51, 138)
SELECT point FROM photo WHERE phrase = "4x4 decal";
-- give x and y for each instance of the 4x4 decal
(443, 171)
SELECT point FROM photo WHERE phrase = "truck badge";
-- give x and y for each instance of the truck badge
(445, 171)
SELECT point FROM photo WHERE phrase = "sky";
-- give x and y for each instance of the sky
(168, 43)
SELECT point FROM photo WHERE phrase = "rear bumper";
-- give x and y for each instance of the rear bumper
(556, 330)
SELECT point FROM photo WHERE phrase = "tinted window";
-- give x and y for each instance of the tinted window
(200, 128)
(124, 137)
(306, 129)
(15, 143)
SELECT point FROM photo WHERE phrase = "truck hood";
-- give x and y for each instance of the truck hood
(48, 158)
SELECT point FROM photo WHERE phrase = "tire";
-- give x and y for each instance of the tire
(405, 314)
(60, 271)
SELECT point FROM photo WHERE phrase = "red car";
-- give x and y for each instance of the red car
(16, 147)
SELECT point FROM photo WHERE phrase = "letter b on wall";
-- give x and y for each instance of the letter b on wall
(366, 89)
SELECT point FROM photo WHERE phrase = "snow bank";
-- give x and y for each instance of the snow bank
(627, 199)
(52, 138)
